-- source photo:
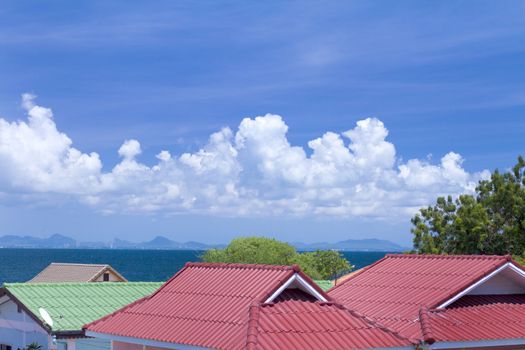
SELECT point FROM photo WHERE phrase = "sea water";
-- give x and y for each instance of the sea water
(20, 265)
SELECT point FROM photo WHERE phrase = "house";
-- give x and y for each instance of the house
(443, 302)
(64, 272)
(70, 306)
(238, 306)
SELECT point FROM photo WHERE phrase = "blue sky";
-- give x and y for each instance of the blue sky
(438, 77)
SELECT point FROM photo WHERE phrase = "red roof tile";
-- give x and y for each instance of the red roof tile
(476, 323)
(299, 324)
(393, 290)
(209, 305)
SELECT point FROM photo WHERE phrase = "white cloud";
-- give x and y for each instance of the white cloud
(35, 156)
(253, 171)
(130, 149)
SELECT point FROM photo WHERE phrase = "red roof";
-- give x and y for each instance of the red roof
(298, 324)
(219, 306)
(394, 289)
(475, 323)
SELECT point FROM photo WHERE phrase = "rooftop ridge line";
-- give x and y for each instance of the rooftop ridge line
(450, 256)
(243, 266)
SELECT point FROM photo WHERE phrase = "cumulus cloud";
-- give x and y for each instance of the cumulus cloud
(251, 171)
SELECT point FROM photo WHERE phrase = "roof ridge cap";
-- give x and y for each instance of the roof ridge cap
(77, 264)
(253, 321)
(83, 284)
(242, 266)
(426, 329)
(450, 256)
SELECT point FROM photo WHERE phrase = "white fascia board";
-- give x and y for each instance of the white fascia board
(517, 270)
(310, 288)
(144, 342)
(296, 278)
(477, 344)
(281, 289)
(478, 283)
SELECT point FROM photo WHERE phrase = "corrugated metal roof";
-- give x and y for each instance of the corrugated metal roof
(393, 290)
(475, 323)
(208, 305)
(295, 324)
(71, 305)
(65, 272)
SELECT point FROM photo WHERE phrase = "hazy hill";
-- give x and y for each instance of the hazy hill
(164, 243)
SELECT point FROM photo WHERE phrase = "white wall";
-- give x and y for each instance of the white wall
(507, 281)
(18, 329)
(112, 278)
(85, 344)
(117, 345)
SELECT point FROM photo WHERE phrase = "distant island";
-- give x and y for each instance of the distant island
(58, 241)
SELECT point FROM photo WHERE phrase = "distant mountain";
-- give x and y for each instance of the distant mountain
(370, 244)
(54, 241)
(164, 243)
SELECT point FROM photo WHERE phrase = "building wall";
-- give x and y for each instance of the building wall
(126, 346)
(83, 344)
(112, 277)
(506, 282)
(18, 329)
(135, 346)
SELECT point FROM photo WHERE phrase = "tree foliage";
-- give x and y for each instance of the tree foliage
(492, 221)
(260, 250)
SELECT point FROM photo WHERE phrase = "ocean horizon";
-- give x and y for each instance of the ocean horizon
(21, 264)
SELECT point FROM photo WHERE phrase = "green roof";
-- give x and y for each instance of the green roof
(72, 305)
(324, 284)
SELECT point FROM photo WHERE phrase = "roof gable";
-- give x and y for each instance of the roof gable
(206, 303)
(71, 305)
(394, 289)
(66, 272)
(211, 305)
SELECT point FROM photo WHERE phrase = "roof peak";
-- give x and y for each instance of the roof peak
(244, 266)
(451, 256)
(73, 284)
(78, 264)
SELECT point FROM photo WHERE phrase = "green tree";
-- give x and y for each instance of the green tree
(261, 250)
(327, 263)
(492, 221)
(253, 250)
